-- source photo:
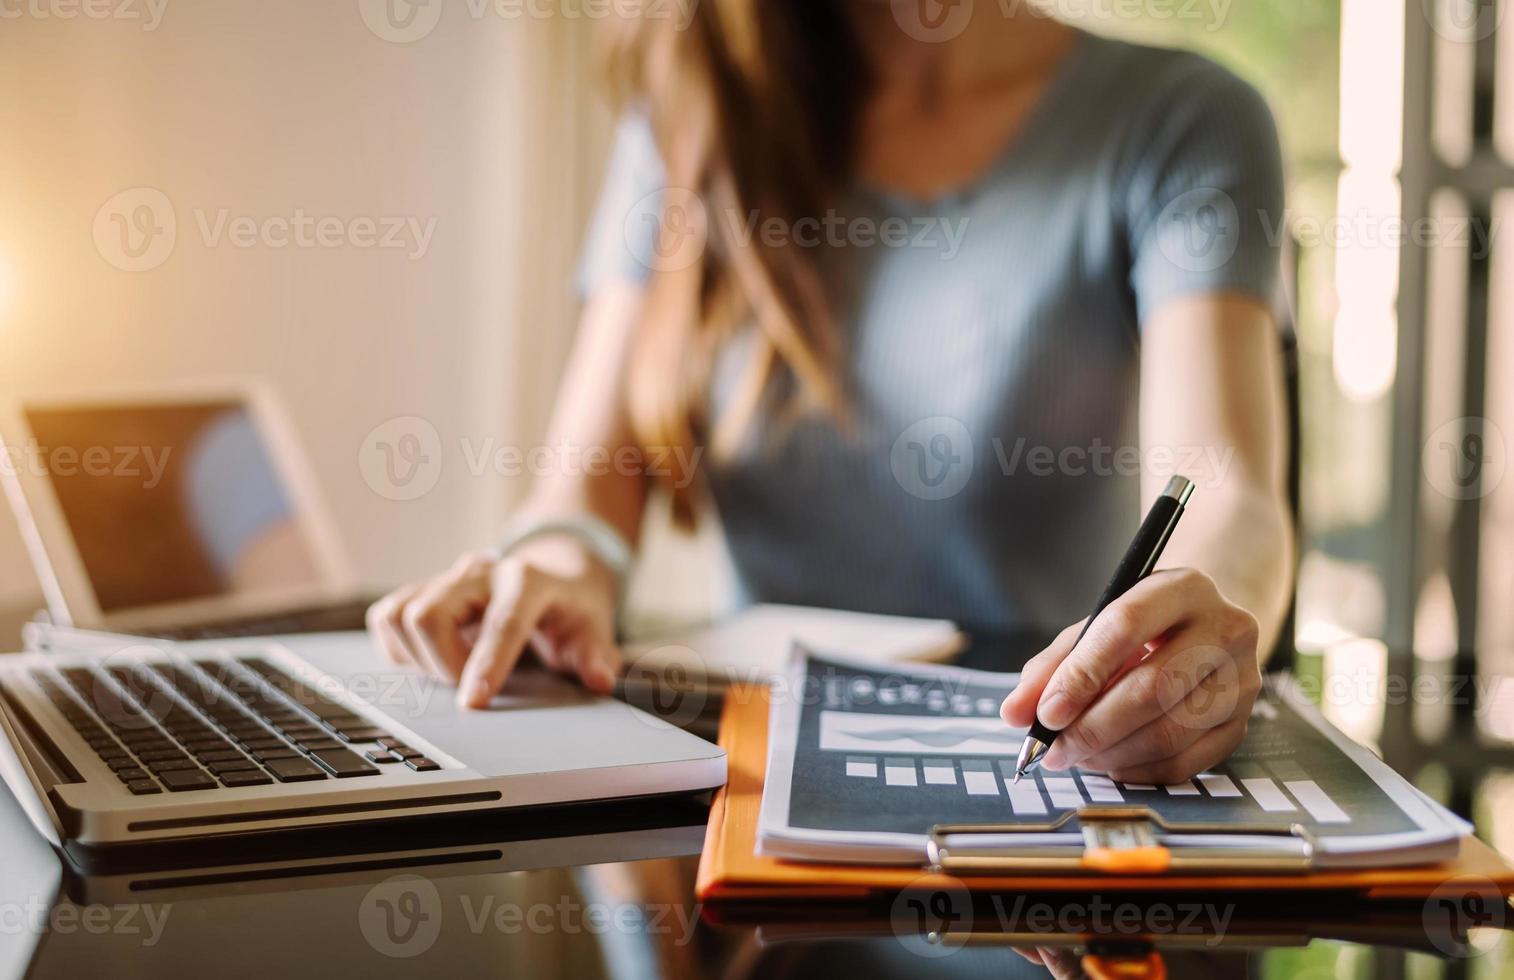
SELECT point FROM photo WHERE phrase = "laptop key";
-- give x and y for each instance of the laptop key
(295, 770)
(343, 763)
(131, 775)
(143, 787)
(244, 777)
(234, 765)
(282, 752)
(381, 756)
(184, 780)
(361, 734)
(161, 755)
(172, 765)
(422, 764)
(221, 755)
(319, 744)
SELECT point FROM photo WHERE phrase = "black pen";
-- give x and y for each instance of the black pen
(1140, 558)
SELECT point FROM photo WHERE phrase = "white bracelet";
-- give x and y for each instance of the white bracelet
(606, 543)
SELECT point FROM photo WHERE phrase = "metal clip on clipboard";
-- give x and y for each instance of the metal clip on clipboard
(1119, 840)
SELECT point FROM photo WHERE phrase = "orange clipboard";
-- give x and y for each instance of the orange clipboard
(731, 870)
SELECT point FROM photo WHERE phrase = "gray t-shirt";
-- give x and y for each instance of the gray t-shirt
(991, 470)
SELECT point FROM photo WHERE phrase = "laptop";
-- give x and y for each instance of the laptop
(155, 745)
(182, 513)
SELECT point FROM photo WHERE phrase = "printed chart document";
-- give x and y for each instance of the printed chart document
(863, 760)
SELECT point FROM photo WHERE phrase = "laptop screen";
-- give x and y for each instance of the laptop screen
(172, 502)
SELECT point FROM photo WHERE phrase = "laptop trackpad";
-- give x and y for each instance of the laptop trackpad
(540, 722)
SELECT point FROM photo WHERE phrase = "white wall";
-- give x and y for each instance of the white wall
(260, 108)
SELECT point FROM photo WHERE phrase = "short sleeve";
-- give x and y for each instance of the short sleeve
(1204, 197)
(623, 232)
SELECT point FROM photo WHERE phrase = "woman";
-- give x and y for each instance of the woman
(945, 301)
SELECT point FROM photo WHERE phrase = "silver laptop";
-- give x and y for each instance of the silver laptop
(155, 742)
(183, 512)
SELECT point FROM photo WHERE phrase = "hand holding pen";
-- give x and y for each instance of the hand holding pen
(1156, 685)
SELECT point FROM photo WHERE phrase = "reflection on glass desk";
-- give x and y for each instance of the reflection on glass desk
(607, 892)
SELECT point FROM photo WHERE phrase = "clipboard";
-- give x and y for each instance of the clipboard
(1117, 856)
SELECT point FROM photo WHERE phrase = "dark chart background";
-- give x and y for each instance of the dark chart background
(1280, 746)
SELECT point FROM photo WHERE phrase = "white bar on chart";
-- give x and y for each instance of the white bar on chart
(1320, 806)
(980, 783)
(1101, 789)
(1063, 791)
(899, 772)
(1218, 784)
(1185, 788)
(939, 772)
(1024, 796)
(1266, 793)
(853, 731)
(864, 768)
(1139, 786)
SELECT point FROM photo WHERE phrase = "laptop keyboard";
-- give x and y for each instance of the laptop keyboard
(237, 722)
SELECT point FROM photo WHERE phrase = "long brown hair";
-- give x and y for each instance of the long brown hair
(754, 107)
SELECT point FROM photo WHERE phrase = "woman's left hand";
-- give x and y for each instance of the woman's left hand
(1160, 688)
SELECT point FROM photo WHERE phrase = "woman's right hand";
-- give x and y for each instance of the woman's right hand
(470, 624)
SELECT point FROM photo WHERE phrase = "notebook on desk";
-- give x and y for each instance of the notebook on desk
(858, 833)
(752, 646)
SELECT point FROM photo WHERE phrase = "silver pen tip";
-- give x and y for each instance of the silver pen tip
(1019, 773)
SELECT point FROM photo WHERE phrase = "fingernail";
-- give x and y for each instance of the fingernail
(602, 680)
(477, 693)
(1051, 710)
